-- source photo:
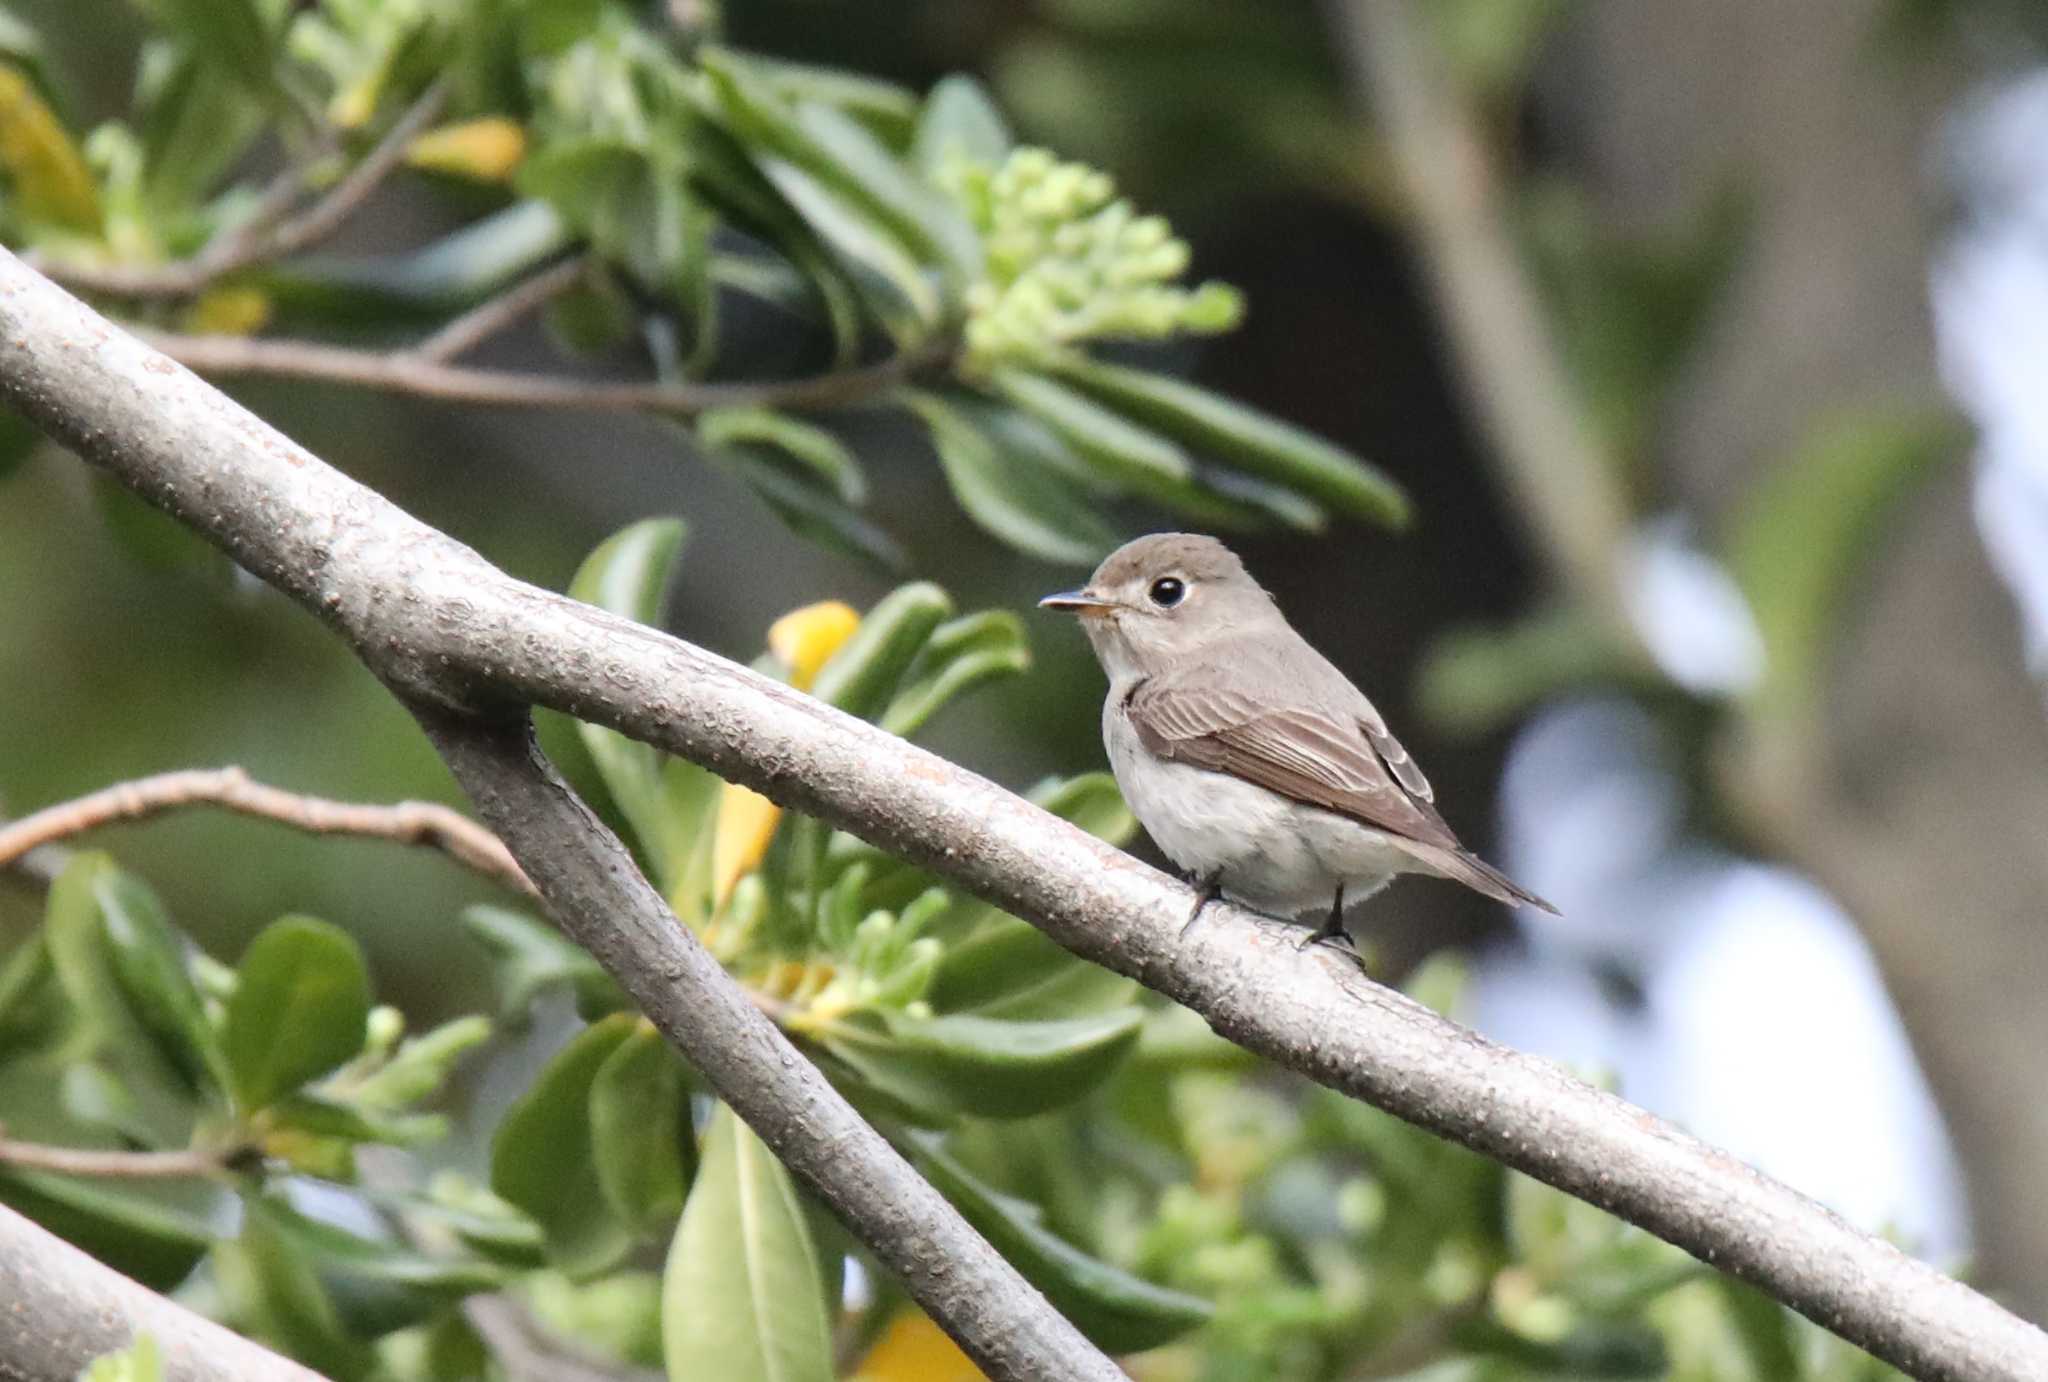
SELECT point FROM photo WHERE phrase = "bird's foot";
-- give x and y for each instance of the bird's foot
(1332, 932)
(1207, 890)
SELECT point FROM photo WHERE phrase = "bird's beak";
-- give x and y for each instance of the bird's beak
(1077, 602)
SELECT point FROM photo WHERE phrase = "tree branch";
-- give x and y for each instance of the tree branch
(407, 822)
(497, 314)
(264, 236)
(186, 1164)
(65, 1308)
(1499, 333)
(599, 897)
(446, 628)
(405, 372)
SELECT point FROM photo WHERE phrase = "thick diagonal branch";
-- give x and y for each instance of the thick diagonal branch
(591, 886)
(444, 626)
(64, 1308)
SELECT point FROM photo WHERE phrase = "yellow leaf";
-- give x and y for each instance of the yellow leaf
(50, 177)
(486, 149)
(352, 106)
(228, 312)
(804, 640)
(913, 1349)
(746, 823)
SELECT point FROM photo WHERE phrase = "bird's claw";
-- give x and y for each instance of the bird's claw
(1207, 890)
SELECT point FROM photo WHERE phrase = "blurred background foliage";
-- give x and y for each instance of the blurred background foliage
(1002, 234)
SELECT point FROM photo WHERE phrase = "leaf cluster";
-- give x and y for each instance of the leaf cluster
(735, 216)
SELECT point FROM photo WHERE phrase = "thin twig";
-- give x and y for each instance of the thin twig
(407, 822)
(103, 1164)
(405, 373)
(329, 214)
(263, 237)
(497, 314)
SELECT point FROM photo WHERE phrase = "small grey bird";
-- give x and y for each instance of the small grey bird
(1251, 761)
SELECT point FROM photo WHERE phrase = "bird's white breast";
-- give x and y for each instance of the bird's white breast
(1273, 854)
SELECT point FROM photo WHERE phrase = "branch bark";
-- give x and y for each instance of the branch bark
(416, 373)
(446, 629)
(65, 1309)
(600, 898)
(185, 1164)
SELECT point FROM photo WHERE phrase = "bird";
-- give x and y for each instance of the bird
(1254, 764)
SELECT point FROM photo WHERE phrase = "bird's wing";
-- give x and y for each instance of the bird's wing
(1350, 765)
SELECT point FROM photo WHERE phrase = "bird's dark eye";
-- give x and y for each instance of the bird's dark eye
(1168, 591)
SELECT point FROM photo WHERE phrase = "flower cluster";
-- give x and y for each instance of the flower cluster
(1068, 261)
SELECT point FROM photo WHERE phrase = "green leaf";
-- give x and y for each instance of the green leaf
(1119, 1312)
(889, 110)
(149, 965)
(1129, 456)
(18, 440)
(325, 1115)
(959, 120)
(1015, 972)
(964, 1064)
(420, 1066)
(1802, 535)
(376, 1286)
(197, 123)
(887, 275)
(480, 1219)
(810, 446)
(616, 1317)
(276, 1295)
(1764, 1326)
(667, 802)
(916, 213)
(235, 35)
(1244, 437)
(31, 1001)
(1033, 510)
(959, 654)
(1474, 681)
(542, 1160)
(641, 1140)
(863, 674)
(743, 1295)
(808, 507)
(298, 1011)
(141, 1361)
(1490, 45)
(135, 1230)
(49, 181)
(547, 27)
(152, 537)
(447, 276)
(81, 951)
(528, 956)
(845, 157)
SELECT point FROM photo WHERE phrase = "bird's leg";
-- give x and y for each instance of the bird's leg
(1208, 887)
(1332, 930)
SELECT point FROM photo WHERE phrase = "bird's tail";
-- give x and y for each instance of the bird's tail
(1463, 866)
